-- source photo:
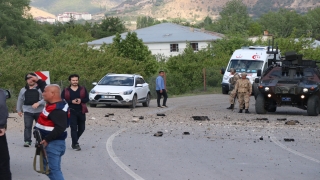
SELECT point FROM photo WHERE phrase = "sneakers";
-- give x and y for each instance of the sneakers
(27, 144)
(75, 147)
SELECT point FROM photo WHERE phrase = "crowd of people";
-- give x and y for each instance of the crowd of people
(53, 110)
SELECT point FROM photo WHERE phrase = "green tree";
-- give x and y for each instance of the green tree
(283, 22)
(255, 29)
(109, 26)
(207, 21)
(133, 48)
(223, 48)
(146, 21)
(234, 19)
(185, 71)
(312, 19)
(14, 25)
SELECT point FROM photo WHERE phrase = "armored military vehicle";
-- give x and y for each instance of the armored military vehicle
(291, 82)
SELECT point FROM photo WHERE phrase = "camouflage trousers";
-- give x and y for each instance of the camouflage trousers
(244, 98)
(232, 96)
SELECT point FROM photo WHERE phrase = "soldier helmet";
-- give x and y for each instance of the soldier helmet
(232, 70)
(244, 74)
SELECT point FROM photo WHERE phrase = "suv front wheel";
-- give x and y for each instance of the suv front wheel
(134, 102)
(146, 104)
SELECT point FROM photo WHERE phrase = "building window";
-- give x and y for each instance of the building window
(174, 47)
(194, 46)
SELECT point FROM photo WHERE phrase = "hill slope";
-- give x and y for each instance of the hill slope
(163, 9)
(35, 12)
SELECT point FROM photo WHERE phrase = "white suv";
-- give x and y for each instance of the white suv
(123, 89)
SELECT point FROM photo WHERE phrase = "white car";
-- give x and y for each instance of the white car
(123, 89)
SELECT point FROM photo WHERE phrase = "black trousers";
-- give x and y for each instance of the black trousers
(5, 173)
(77, 124)
(165, 97)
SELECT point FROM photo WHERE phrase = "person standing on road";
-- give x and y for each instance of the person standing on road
(30, 104)
(52, 124)
(232, 81)
(244, 89)
(77, 97)
(161, 90)
(5, 173)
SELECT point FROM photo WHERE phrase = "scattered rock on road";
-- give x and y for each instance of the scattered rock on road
(292, 122)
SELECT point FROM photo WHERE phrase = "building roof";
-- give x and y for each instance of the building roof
(166, 32)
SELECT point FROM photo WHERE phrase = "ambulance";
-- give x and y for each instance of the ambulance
(249, 60)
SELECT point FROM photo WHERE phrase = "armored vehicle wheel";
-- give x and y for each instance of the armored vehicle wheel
(272, 109)
(260, 105)
(255, 90)
(313, 105)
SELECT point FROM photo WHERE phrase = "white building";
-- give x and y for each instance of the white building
(168, 39)
(66, 16)
(45, 19)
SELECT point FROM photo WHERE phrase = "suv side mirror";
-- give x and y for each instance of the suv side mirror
(8, 94)
(256, 80)
(222, 71)
(139, 85)
(94, 83)
(259, 72)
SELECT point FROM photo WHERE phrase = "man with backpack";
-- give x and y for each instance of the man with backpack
(30, 104)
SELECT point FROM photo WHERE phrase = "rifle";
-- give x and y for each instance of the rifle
(41, 152)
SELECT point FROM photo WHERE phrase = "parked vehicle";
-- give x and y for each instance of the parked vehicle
(249, 60)
(122, 89)
(293, 82)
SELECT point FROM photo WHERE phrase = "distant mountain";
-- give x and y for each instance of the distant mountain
(59, 6)
(164, 9)
(35, 12)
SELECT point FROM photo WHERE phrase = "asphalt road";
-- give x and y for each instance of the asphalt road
(228, 146)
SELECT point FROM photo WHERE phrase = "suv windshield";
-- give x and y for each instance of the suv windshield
(241, 65)
(117, 81)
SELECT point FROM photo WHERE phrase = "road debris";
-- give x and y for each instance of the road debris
(140, 117)
(200, 118)
(135, 119)
(292, 122)
(288, 139)
(281, 119)
(159, 114)
(186, 133)
(158, 134)
(261, 138)
(262, 119)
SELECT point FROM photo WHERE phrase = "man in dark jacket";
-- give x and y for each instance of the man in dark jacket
(5, 173)
(77, 97)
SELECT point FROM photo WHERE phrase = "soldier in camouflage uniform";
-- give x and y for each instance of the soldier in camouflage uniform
(232, 82)
(244, 89)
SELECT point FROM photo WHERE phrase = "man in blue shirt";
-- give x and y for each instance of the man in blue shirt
(161, 90)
